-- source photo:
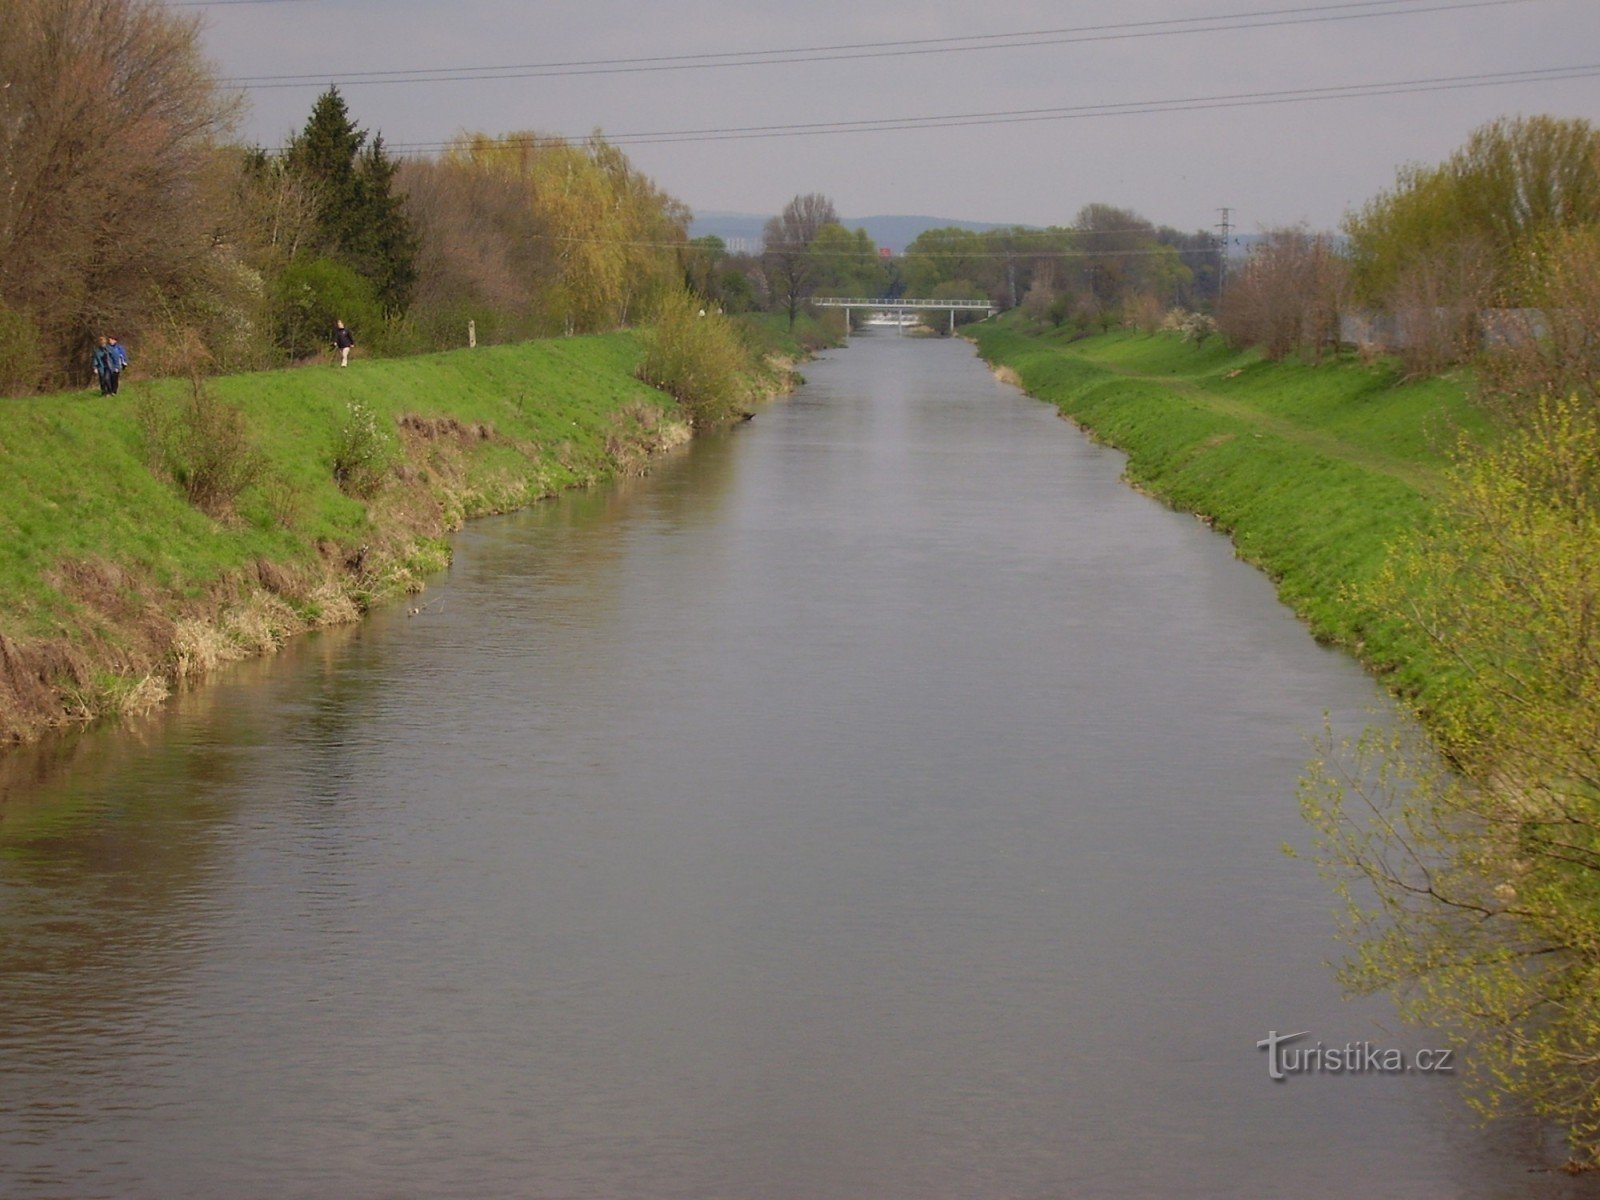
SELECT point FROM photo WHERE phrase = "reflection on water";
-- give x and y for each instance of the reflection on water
(880, 801)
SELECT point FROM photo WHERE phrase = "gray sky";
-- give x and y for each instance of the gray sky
(1273, 164)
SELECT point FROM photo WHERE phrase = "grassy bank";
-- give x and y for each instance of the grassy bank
(771, 333)
(1313, 470)
(116, 585)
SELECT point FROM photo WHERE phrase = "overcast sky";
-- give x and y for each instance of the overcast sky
(1272, 164)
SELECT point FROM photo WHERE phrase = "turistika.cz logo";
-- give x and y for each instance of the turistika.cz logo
(1352, 1058)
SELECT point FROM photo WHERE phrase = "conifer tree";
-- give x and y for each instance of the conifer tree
(360, 218)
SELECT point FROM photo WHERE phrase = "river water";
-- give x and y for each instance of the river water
(878, 801)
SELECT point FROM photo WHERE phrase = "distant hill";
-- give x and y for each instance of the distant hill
(742, 231)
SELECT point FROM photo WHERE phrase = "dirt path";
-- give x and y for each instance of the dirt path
(1427, 480)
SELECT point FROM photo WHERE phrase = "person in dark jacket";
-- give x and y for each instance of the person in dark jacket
(102, 366)
(343, 340)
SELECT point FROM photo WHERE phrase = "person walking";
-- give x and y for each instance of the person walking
(102, 366)
(343, 339)
(118, 358)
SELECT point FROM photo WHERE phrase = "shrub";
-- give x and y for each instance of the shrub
(1474, 889)
(1194, 327)
(698, 358)
(1144, 313)
(363, 452)
(204, 447)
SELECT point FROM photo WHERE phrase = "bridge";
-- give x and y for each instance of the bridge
(901, 307)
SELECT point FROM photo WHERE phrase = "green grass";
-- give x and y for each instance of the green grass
(75, 484)
(1314, 470)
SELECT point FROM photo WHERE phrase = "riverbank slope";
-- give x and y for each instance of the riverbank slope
(1313, 470)
(124, 573)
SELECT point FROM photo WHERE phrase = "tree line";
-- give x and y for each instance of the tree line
(1109, 265)
(126, 207)
(1494, 249)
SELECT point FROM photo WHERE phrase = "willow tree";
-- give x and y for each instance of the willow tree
(608, 238)
(651, 227)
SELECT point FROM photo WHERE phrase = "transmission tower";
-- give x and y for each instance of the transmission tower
(1225, 228)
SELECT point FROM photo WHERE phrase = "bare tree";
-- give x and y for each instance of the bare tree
(1437, 296)
(788, 239)
(1553, 348)
(1287, 296)
(106, 113)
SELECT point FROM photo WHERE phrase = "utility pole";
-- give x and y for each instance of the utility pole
(1225, 228)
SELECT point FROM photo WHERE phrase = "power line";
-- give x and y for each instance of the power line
(1024, 39)
(1071, 112)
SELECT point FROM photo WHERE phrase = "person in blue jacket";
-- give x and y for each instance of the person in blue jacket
(102, 366)
(119, 362)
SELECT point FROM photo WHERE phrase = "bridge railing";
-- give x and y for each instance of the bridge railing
(870, 302)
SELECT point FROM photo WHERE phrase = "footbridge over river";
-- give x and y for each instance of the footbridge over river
(903, 307)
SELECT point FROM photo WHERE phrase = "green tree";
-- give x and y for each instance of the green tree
(939, 256)
(1474, 892)
(312, 293)
(846, 263)
(703, 260)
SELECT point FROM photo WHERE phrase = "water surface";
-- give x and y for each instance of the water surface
(880, 801)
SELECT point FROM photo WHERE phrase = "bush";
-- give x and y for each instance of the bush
(362, 453)
(1144, 313)
(1040, 301)
(205, 448)
(1436, 298)
(698, 358)
(1194, 327)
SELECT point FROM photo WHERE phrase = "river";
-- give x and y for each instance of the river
(878, 801)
